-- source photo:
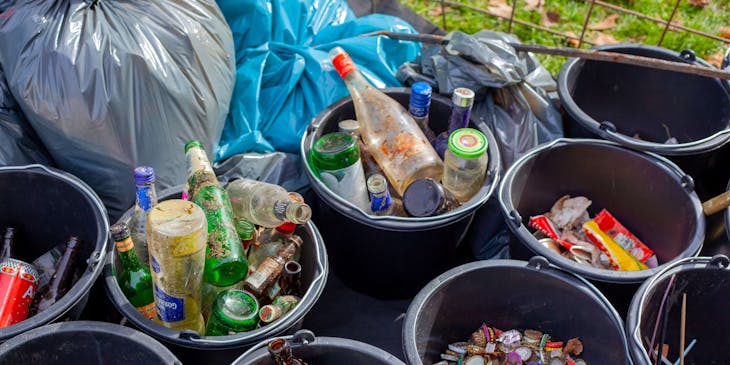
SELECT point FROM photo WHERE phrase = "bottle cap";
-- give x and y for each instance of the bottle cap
(245, 229)
(423, 198)
(293, 195)
(235, 307)
(342, 61)
(335, 151)
(119, 231)
(468, 143)
(144, 175)
(349, 126)
(286, 228)
(463, 97)
(191, 144)
(421, 94)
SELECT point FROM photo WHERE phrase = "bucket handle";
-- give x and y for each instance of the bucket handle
(720, 261)
(610, 132)
(299, 338)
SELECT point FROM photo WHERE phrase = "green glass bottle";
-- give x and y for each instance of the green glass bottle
(225, 259)
(135, 279)
(234, 311)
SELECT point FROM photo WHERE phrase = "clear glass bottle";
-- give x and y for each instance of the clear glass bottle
(336, 158)
(265, 204)
(369, 165)
(380, 201)
(390, 134)
(178, 234)
(268, 272)
(144, 181)
(269, 242)
(461, 102)
(8, 249)
(419, 105)
(465, 163)
(225, 261)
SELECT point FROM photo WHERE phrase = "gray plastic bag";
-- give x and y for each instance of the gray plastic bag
(109, 85)
(512, 87)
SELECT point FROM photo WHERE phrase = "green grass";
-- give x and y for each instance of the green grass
(629, 29)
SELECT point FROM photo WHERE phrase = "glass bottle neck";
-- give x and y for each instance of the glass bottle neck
(356, 82)
(128, 255)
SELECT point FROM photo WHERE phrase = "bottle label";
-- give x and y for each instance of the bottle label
(280, 209)
(155, 264)
(380, 202)
(145, 197)
(126, 245)
(257, 278)
(274, 290)
(169, 308)
(418, 111)
(148, 310)
(343, 64)
(348, 183)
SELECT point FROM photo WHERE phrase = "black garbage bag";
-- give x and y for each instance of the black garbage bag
(512, 88)
(108, 85)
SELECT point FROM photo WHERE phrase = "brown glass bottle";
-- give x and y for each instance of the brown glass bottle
(8, 251)
(280, 353)
(291, 280)
(61, 280)
(270, 269)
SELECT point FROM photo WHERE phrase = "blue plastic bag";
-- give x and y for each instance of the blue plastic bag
(283, 75)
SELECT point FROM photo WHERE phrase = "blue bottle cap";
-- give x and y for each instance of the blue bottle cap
(421, 94)
(144, 175)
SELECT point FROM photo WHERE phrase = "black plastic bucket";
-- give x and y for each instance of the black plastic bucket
(322, 350)
(47, 206)
(706, 281)
(647, 193)
(193, 348)
(387, 256)
(84, 342)
(614, 101)
(510, 294)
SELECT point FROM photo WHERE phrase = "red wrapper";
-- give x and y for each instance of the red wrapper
(18, 284)
(614, 229)
(544, 225)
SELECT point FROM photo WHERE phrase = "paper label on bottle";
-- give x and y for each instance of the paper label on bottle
(145, 197)
(148, 310)
(126, 245)
(348, 183)
(274, 290)
(155, 265)
(418, 111)
(169, 308)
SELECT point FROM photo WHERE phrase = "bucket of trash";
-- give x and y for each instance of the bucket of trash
(685, 117)
(191, 346)
(672, 311)
(57, 229)
(629, 215)
(318, 350)
(84, 342)
(413, 249)
(529, 311)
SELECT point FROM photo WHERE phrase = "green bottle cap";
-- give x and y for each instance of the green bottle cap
(245, 229)
(236, 309)
(467, 143)
(191, 144)
(335, 151)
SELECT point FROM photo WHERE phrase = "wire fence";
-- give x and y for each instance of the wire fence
(667, 24)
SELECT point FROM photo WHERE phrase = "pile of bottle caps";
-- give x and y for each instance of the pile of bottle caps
(491, 346)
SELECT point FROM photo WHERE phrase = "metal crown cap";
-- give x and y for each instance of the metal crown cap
(144, 175)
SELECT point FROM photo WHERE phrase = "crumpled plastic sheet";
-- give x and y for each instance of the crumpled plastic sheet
(110, 85)
(284, 77)
(512, 87)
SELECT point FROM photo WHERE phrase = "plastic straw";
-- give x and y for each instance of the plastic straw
(681, 333)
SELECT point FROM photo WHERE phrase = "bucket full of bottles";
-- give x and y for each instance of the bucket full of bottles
(399, 171)
(208, 266)
(53, 240)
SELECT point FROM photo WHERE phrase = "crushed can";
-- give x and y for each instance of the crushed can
(18, 285)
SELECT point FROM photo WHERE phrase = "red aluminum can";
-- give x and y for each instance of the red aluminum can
(18, 284)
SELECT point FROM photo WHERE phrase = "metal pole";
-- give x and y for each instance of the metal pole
(512, 16)
(585, 23)
(666, 28)
(443, 15)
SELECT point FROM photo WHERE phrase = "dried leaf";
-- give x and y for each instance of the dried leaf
(500, 7)
(534, 5)
(550, 18)
(572, 39)
(437, 11)
(725, 32)
(608, 23)
(698, 3)
(716, 59)
(603, 38)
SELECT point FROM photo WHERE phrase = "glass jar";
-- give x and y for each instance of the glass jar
(465, 163)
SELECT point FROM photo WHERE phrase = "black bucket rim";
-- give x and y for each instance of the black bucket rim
(94, 269)
(393, 223)
(127, 333)
(608, 131)
(259, 349)
(518, 228)
(634, 315)
(537, 263)
(192, 339)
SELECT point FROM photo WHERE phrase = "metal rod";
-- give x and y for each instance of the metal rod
(443, 15)
(666, 28)
(682, 328)
(585, 23)
(512, 16)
